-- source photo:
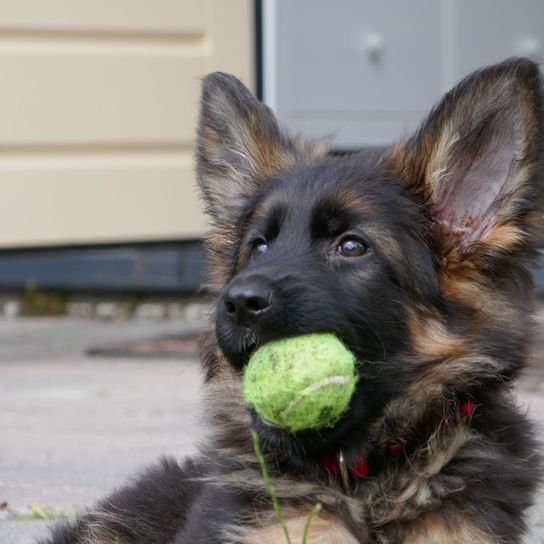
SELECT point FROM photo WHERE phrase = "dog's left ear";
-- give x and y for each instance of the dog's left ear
(477, 164)
(239, 146)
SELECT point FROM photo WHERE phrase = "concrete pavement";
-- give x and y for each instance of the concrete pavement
(73, 427)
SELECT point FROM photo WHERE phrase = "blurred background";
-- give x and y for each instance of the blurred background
(101, 271)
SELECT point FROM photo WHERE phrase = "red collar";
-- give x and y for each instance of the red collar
(360, 468)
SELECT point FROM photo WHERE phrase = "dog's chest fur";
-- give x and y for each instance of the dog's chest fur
(381, 508)
(389, 506)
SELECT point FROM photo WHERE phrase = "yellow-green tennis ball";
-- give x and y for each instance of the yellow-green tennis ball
(303, 382)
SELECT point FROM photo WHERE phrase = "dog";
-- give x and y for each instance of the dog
(417, 258)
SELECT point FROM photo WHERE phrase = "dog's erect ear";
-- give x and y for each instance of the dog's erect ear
(477, 162)
(239, 145)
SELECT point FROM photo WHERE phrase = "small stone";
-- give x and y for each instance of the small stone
(12, 308)
(106, 310)
(80, 309)
(149, 310)
(197, 312)
(174, 311)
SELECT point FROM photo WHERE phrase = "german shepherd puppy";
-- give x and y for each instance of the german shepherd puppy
(416, 257)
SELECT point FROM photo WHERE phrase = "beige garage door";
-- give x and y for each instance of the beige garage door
(98, 102)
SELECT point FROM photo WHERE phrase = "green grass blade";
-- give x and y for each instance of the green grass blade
(313, 512)
(270, 487)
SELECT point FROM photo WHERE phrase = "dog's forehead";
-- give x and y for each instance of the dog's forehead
(356, 184)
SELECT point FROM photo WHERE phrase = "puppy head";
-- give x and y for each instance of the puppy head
(415, 257)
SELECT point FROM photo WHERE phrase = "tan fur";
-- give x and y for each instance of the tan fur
(430, 338)
(324, 529)
(353, 201)
(437, 171)
(435, 529)
(505, 237)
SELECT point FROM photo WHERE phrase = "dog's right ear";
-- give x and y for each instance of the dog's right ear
(477, 165)
(239, 146)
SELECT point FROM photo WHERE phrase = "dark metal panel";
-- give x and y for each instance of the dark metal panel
(168, 268)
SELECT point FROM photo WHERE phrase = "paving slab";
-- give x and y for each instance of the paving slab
(63, 338)
(18, 532)
(71, 430)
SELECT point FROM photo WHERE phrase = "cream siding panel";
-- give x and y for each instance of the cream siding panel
(143, 16)
(98, 106)
(94, 204)
(52, 100)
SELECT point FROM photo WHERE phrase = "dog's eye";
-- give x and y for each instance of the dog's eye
(351, 247)
(260, 246)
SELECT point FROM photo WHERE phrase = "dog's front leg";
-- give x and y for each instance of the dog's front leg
(151, 510)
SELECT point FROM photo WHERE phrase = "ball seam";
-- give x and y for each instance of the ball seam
(325, 382)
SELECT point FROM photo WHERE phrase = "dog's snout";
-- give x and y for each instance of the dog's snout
(247, 299)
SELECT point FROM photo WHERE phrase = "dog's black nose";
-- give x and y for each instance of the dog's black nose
(247, 299)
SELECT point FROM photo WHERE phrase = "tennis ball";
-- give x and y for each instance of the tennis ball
(303, 382)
